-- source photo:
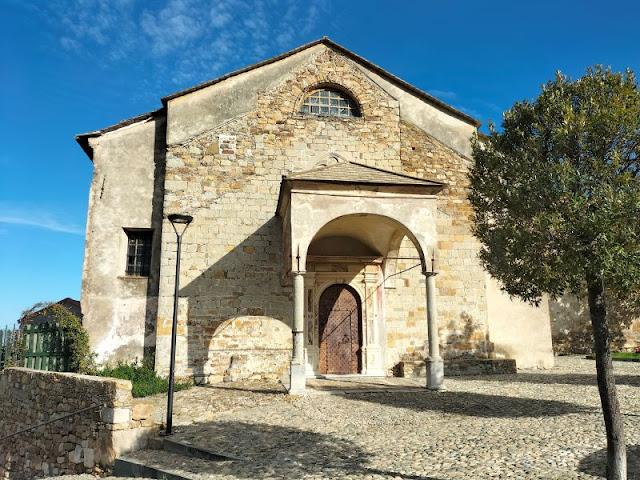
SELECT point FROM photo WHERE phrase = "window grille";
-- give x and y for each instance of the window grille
(139, 253)
(329, 102)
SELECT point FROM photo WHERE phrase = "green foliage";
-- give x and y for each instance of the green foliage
(33, 309)
(11, 348)
(81, 357)
(556, 193)
(144, 380)
(626, 355)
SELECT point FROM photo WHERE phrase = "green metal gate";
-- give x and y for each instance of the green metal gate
(41, 347)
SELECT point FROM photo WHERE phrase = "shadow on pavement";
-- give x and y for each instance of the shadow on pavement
(551, 379)
(282, 452)
(252, 387)
(473, 404)
(595, 463)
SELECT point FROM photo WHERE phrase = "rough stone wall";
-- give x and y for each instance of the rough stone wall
(461, 299)
(246, 347)
(571, 326)
(72, 445)
(233, 251)
(406, 311)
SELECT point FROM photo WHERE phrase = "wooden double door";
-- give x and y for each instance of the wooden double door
(340, 319)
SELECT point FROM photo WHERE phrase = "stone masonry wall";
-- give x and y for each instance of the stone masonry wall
(461, 299)
(71, 445)
(572, 332)
(232, 253)
(406, 311)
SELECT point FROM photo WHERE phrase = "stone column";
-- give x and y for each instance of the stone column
(298, 373)
(310, 326)
(435, 365)
(371, 349)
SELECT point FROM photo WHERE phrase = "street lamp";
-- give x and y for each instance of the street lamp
(180, 223)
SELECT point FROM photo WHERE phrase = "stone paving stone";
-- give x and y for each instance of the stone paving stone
(537, 424)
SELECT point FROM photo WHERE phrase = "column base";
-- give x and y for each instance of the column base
(298, 380)
(372, 361)
(435, 373)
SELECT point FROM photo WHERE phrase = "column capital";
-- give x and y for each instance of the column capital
(370, 278)
(298, 272)
(429, 274)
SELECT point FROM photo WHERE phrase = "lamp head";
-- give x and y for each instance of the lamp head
(180, 219)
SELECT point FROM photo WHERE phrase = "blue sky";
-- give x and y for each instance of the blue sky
(73, 66)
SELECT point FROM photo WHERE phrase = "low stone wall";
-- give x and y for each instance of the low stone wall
(76, 444)
(572, 331)
(479, 366)
(241, 348)
(453, 368)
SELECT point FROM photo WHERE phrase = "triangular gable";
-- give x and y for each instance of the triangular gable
(352, 172)
(348, 53)
(83, 139)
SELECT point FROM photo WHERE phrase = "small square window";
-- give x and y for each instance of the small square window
(139, 252)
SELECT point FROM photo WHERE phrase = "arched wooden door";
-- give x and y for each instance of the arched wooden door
(340, 332)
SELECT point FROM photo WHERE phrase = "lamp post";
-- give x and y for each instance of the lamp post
(177, 222)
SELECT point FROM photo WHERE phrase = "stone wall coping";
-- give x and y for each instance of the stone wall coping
(119, 383)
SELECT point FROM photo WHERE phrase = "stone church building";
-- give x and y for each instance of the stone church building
(330, 233)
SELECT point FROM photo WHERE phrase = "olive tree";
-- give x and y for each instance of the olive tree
(556, 197)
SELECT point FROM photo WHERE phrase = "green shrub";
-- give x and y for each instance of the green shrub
(144, 380)
(82, 359)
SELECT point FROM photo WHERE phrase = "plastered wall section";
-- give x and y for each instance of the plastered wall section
(519, 330)
(111, 427)
(439, 124)
(233, 250)
(120, 310)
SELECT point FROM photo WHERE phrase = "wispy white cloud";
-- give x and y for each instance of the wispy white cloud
(38, 217)
(469, 111)
(174, 26)
(70, 44)
(444, 94)
(181, 42)
(490, 105)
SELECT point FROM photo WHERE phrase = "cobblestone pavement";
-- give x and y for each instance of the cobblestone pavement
(533, 425)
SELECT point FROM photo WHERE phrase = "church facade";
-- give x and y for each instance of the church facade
(330, 233)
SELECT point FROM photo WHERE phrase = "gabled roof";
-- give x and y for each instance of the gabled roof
(348, 53)
(42, 315)
(352, 172)
(83, 138)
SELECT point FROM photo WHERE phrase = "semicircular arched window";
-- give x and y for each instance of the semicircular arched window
(326, 101)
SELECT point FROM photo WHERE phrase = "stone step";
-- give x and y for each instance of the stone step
(187, 449)
(170, 459)
(164, 465)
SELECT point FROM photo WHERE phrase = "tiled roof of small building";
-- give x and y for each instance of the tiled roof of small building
(352, 172)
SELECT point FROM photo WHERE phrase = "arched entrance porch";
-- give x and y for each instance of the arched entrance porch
(340, 229)
(358, 251)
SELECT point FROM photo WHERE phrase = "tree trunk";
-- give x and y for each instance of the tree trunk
(616, 449)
